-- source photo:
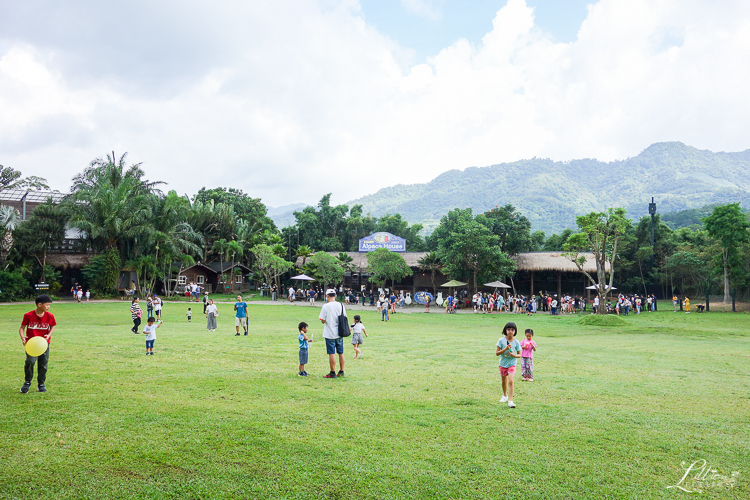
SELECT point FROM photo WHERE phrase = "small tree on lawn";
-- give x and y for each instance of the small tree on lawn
(600, 233)
(386, 265)
(326, 269)
(728, 225)
(268, 264)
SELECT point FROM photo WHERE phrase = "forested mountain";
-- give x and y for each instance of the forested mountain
(692, 218)
(551, 194)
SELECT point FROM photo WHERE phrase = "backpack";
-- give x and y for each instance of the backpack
(344, 330)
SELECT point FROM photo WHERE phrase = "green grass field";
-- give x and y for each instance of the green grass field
(615, 412)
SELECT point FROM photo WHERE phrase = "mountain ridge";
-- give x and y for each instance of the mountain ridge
(551, 194)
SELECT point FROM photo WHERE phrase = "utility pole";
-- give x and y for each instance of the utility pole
(652, 211)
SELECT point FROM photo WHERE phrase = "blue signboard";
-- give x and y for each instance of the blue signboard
(382, 240)
(423, 298)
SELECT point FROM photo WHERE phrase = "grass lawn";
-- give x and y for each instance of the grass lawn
(616, 412)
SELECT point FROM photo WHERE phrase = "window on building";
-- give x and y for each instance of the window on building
(200, 279)
(238, 279)
(182, 280)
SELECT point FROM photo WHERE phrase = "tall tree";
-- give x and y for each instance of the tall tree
(728, 225)
(467, 247)
(512, 228)
(386, 265)
(268, 264)
(110, 203)
(9, 219)
(431, 262)
(169, 235)
(600, 233)
(305, 252)
(221, 248)
(246, 208)
(325, 268)
(11, 179)
(45, 229)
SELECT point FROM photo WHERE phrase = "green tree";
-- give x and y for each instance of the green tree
(431, 262)
(467, 247)
(325, 268)
(600, 233)
(246, 208)
(728, 225)
(110, 203)
(305, 252)
(556, 243)
(268, 264)
(346, 261)
(45, 229)
(9, 219)
(386, 265)
(169, 236)
(511, 227)
(221, 248)
(11, 179)
(234, 248)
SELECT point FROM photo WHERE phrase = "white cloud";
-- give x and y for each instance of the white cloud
(291, 100)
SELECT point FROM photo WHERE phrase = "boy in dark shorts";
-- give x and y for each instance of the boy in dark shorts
(303, 348)
(37, 323)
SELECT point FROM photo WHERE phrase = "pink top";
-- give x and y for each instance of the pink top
(526, 351)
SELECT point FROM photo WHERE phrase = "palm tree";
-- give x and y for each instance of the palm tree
(233, 249)
(305, 252)
(9, 219)
(45, 229)
(170, 234)
(221, 247)
(431, 262)
(109, 202)
(346, 261)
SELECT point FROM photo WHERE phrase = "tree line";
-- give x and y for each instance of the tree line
(126, 220)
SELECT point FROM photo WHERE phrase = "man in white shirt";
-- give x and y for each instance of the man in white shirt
(329, 316)
(596, 303)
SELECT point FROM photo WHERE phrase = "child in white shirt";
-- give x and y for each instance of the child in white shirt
(150, 331)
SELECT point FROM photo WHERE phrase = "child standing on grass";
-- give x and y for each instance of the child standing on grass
(528, 347)
(150, 331)
(509, 351)
(357, 330)
(189, 315)
(303, 348)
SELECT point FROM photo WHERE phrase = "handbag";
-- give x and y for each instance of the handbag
(344, 330)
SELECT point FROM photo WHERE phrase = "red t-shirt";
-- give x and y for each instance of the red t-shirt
(36, 326)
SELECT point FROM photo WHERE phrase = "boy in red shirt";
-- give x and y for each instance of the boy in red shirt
(37, 323)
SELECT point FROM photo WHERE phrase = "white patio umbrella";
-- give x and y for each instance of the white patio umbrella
(497, 284)
(302, 277)
(596, 287)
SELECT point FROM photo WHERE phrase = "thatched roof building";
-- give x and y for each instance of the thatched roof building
(553, 261)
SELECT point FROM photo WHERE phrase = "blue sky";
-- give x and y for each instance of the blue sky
(441, 22)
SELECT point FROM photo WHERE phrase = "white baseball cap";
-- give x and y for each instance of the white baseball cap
(330, 291)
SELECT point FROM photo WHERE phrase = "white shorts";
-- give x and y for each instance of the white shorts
(240, 322)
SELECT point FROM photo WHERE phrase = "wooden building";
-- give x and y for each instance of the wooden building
(553, 273)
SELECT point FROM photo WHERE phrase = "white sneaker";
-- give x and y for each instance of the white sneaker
(511, 404)
(504, 399)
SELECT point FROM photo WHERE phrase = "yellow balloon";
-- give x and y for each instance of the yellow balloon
(36, 346)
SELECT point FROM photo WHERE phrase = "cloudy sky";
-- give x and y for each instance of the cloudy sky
(292, 99)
